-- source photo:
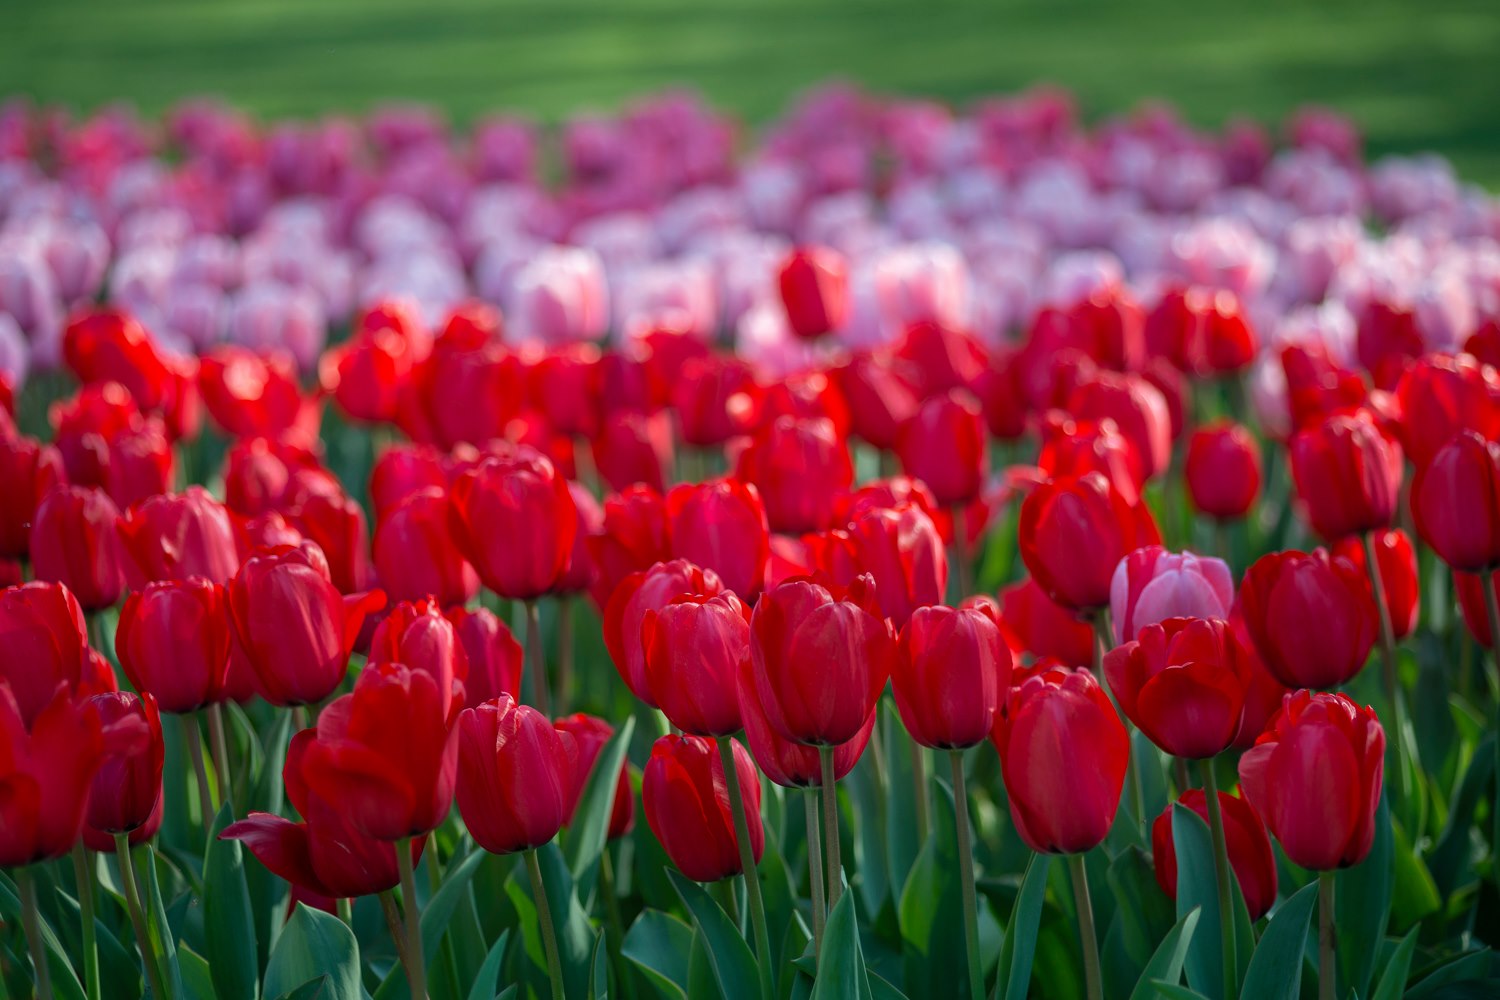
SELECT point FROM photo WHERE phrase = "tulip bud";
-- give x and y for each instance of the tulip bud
(1245, 836)
(791, 764)
(882, 395)
(1397, 559)
(1313, 618)
(172, 641)
(814, 283)
(30, 470)
(401, 471)
(633, 448)
(416, 634)
(1072, 448)
(721, 526)
(1074, 532)
(42, 633)
(495, 657)
(178, 536)
(514, 519)
(589, 735)
(638, 595)
(1036, 624)
(797, 466)
(1348, 473)
(46, 771)
(950, 675)
(693, 648)
(686, 797)
(415, 555)
(337, 524)
(1152, 585)
(1315, 776)
(126, 790)
(716, 399)
(250, 394)
(1439, 398)
(901, 549)
(1138, 410)
(515, 775)
(1455, 501)
(73, 542)
(944, 445)
(1223, 470)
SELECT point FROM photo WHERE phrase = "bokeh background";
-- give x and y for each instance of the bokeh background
(1416, 74)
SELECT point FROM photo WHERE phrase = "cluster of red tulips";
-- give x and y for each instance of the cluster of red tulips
(1086, 618)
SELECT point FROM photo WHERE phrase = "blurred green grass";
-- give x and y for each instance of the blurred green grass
(1416, 75)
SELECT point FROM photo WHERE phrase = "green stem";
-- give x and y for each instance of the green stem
(1327, 974)
(544, 922)
(1180, 775)
(31, 920)
(1222, 874)
(966, 871)
(919, 789)
(831, 827)
(416, 961)
(538, 657)
(84, 879)
(219, 745)
(961, 570)
(814, 865)
(1387, 633)
(191, 738)
(394, 926)
(1089, 940)
(138, 916)
(346, 912)
(747, 865)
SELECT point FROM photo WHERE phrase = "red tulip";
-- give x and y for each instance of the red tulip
(942, 357)
(465, 391)
(1036, 624)
(73, 542)
(797, 466)
(791, 764)
(1263, 696)
(1438, 397)
(1174, 389)
(178, 536)
(1223, 470)
(104, 843)
(944, 445)
(821, 658)
(1204, 331)
(43, 635)
(265, 531)
(721, 526)
(259, 474)
(1470, 588)
(495, 657)
(693, 647)
(29, 470)
(1138, 410)
(633, 537)
(882, 395)
(814, 284)
(566, 386)
(416, 634)
(1245, 836)
(1387, 336)
(1073, 532)
(415, 555)
(386, 756)
(951, 674)
(367, 373)
(1072, 448)
(46, 767)
(686, 797)
(579, 576)
(1315, 776)
(1000, 392)
(515, 776)
(589, 735)
(108, 345)
(514, 519)
(1348, 473)
(126, 790)
(1455, 501)
(250, 394)
(337, 524)
(172, 641)
(901, 549)
(1397, 559)
(716, 398)
(1183, 682)
(633, 448)
(1108, 327)
(1313, 618)
(402, 470)
(638, 595)
(1062, 752)
(105, 441)
(294, 627)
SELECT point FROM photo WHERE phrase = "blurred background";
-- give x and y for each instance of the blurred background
(1415, 75)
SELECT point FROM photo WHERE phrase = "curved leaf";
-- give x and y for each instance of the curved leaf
(1014, 977)
(228, 920)
(658, 943)
(488, 979)
(1166, 963)
(1276, 966)
(1362, 906)
(314, 944)
(841, 964)
(1393, 979)
(589, 829)
(731, 962)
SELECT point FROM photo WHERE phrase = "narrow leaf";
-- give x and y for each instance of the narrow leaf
(1276, 966)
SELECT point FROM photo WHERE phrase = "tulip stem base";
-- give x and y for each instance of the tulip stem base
(1222, 874)
(83, 877)
(1088, 939)
(393, 924)
(416, 961)
(194, 742)
(831, 827)
(747, 865)
(544, 923)
(219, 745)
(537, 655)
(966, 871)
(138, 916)
(814, 865)
(1327, 973)
(31, 920)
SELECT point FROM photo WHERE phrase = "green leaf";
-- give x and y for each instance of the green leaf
(930, 913)
(1143, 917)
(658, 943)
(157, 924)
(1276, 966)
(575, 935)
(1464, 969)
(488, 979)
(64, 983)
(196, 975)
(1014, 978)
(228, 920)
(841, 964)
(1165, 965)
(1173, 991)
(589, 829)
(1362, 904)
(1197, 888)
(599, 971)
(1393, 980)
(435, 917)
(902, 844)
(1449, 860)
(314, 944)
(315, 989)
(733, 965)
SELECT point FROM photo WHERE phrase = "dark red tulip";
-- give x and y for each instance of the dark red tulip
(1173, 386)
(1348, 473)
(633, 537)
(791, 764)
(942, 357)
(416, 634)
(45, 643)
(250, 394)
(514, 519)
(797, 466)
(29, 470)
(178, 536)
(880, 494)
(633, 448)
(1317, 388)
(104, 843)
(579, 576)
(1387, 336)
(882, 395)
(172, 641)
(495, 657)
(294, 627)
(415, 555)
(1484, 343)
(515, 776)
(108, 345)
(721, 526)
(337, 524)
(126, 790)
(1264, 695)
(944, 445)
(566, 388)
(1075, 447)
(806, 395)
(367, 374)
(950, 676)
(636, 596)
(1063, 752)
(386, 756)
(46, 770)
(1397, 559)
(1440, 396)
(901, 549)
(1455, 502)
(259, 475)
(1183, 681)
(693, 647)
(1000, 392)
(589, 735)
(1036, 624)
(821, 658)
(74, 542)
(1138, 410)
(1250, 854)
(1313, 618)
(1222, 470)
(814, 283)
(1315, 776)
(1204, 331)
(264, 531)
(105, 441)
(403, 470)
(466, 391)
(716, 398)
(686, 797)
(1064, 519)
(1108, 327)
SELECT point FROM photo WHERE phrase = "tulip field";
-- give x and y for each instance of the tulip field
(903, 550)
